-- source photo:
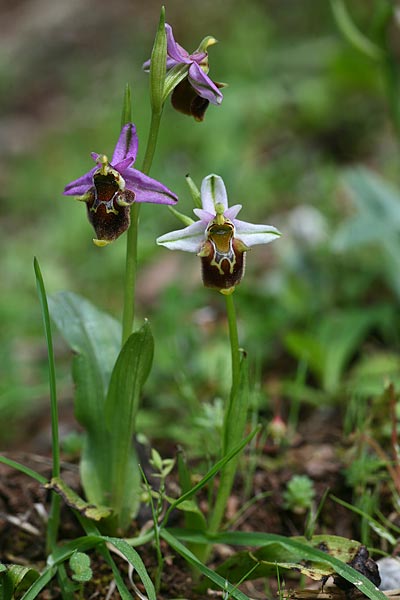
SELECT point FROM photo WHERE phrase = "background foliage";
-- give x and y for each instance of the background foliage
(303, 112)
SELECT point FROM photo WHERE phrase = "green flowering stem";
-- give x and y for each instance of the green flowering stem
(157, 78)
(132, 237)
(130, 275)
(234, 341)
(234, 418)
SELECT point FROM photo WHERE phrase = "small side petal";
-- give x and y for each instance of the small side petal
(123, 165)
(146, 65)
(203, 85)
(213, 192)
(147, 189)
(81, 185)
(251, 234)
(127, 144)
(188, 239)
(204, 215)
(174, 50)
(232, 211)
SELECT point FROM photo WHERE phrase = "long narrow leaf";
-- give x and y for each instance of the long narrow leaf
(40, 583)
(305, 550)
(221, 582)
(54, 513)
(26, 470)
(134, 559)
(211, 473)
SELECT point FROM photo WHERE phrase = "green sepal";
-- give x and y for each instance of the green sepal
(206, 42)
(183, 218)
(126, 115)
(158, 66)
(173, 78)
(194, 190)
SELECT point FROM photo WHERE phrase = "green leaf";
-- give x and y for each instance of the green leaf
(54, 513)
(26, 470)
(351, 32)
(40, 583)
(377, 203)
(158, 66)
(71, 498)
(380, 529)
(276, 554)
(211, 473)
(128, 377)
(94, 337)
(293, 547)
(15, 580)
(221, 582)
(80, 565)
(328, 350)
(134, 559)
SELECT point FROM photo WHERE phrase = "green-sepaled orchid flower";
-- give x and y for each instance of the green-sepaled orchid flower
(218, 237)
(110, 188)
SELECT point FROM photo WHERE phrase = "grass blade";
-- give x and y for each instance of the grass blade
(195, 562)
(54, 513)
(306, 551)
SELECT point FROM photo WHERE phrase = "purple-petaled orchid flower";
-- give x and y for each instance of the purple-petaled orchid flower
(109, 188)
(196, 90)
(219, 238)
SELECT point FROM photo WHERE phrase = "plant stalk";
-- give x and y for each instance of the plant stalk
(234, 424)
(132, 236)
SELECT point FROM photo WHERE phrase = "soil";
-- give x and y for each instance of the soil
(318, 449)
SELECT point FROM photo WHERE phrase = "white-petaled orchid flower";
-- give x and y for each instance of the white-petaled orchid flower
(219, 238)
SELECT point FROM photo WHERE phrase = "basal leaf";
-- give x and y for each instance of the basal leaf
(128, 377)
(95, 338)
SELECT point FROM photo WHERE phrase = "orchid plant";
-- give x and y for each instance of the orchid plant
(112, 360)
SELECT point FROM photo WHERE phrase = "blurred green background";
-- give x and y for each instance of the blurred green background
(303, 110)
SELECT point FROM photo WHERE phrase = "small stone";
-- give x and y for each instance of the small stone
(389, 569)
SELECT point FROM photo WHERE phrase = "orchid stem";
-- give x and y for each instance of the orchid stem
(233, 430)
(132, 236)
(234, 341)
